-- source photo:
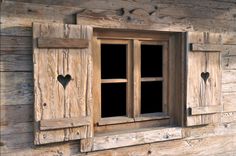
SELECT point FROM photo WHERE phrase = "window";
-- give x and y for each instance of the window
(134, 81)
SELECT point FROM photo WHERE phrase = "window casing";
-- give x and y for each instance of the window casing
(136, 79)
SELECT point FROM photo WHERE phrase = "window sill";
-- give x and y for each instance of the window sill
(130, 138)
(124, 119)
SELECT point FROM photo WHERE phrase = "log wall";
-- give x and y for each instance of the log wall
(16, 92)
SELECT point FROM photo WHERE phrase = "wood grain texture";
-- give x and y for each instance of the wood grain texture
(52, 101)
(206, 47)
(63, 123)
(135, 138)
(201, 93)
(16, 63)
(12, 114)
(205, 110)
(229, 102)
(62, 43)
(16, 88)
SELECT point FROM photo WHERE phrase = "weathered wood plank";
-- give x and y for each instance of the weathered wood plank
(28, 13)
(16, 52)
(9, 43)
(228, 117)
(229, 63)
(229, 87)
(62, 43)
(229, 102)
(19, 63)
(198, 146)
(207, 9)
(16, 128)
(16, 113)
(206, 47)
(14, 29)
(16, 88)
(228, 76)
(22, 144)
(134, 138)
(63, 123)
(205, 110)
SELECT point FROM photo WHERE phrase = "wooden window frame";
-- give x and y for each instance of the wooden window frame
(134, 118)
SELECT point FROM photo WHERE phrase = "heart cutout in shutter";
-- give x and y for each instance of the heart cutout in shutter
(205, 76)
(64, 80)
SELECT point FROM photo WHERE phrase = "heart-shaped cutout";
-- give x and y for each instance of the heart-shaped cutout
(205, 76)
(64, 80)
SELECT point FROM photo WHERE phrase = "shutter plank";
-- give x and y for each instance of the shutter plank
(62, 43)
(205, 110)
(52, 100)
(64, 123)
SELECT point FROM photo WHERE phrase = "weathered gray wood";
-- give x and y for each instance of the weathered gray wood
(9, 43)
(229, 76)
(11, 114)
(63, 123)
(228, 117)
(229, 102)
(206, 47)
(52, 100)
(62, 43)
(16, 63)
(16, 128)
(16, 88)
(205, 110)
(134, 138)
(229, 63)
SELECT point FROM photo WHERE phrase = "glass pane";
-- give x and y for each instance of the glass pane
(151, 97)
(113, 99)
(113, 61)
(151, 60)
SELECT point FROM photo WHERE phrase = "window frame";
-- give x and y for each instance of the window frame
(132, 37)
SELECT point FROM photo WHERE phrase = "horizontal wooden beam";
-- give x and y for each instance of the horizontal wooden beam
(206, 47)
(62, 43)
(150, 79)
(115, 120)
(205, 110)
(64, 123)
(129, 138)
(114, 80)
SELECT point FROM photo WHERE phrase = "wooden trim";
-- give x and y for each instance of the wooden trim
(206, 47)
(151, 116)
(62, 43)
(150, 79)
(135, 137)
(137, 78)
(63, 123)
(129, 76)
(115, 120)
(114, 80)
(205, 110)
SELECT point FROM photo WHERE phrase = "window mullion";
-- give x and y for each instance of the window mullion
(137, 77)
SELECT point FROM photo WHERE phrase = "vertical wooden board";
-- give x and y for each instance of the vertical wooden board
(52, 99)
(202, 92)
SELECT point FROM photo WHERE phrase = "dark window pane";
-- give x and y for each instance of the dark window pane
(113, 61)
(113, 99)
(151, 97)
(151, 60)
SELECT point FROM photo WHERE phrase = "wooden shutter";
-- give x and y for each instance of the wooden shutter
(62, 82)
(203, 80)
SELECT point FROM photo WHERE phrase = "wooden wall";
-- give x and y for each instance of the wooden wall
(16, 92)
